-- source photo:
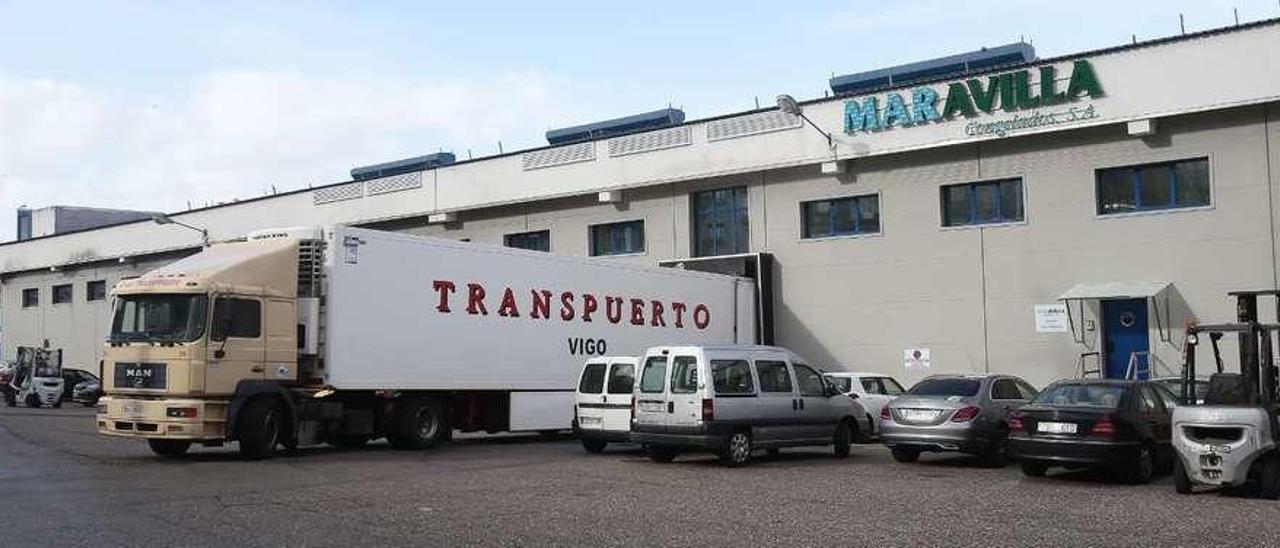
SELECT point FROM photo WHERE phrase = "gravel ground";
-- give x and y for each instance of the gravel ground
(64, 485)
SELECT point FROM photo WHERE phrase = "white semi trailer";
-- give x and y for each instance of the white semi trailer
(342, 335)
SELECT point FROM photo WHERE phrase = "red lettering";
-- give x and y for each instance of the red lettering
(657, 320)
(541, 304)
(637, 311)
(475, 300)
(508, 307)
(444, 288)
(613, 309)
(566, 306)
(679, 308)
(701, 316)
(589, 305)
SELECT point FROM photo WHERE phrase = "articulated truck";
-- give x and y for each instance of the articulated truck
(342, 335)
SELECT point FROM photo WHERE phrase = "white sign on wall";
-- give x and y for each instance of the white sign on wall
(1051, 318)
(916, 358)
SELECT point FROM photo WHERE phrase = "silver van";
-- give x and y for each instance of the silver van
(732, 400)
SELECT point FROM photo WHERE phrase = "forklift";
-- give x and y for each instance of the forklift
(37, 378)
(1230, 440)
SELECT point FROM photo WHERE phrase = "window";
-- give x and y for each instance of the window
(592, 379)
(1102, 396)
(654, 377)
(773, 376)
(1166, 396)
(845, 384)
(30, 297)
(809, 381)
(62, 294)
(891, 387)
(732, 377)
(1148, 187)
(622, 378)
(1005, 389)
(720, 224)
(237, 318)
(95, 290)
(872, 386)
(684, 375)
(946, 386)
(1028, 392)
(617, 238)
(840, 217)
(982, 203)
(1149, 401)
(158, 318)
(535, 241)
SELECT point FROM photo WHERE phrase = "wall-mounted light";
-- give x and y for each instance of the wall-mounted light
(789, 105)
(162, 219)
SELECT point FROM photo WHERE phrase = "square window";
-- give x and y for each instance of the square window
(30, 297)
(987, 202)
(617, 238)
(95, 290)
(62, 294)
(840, 216)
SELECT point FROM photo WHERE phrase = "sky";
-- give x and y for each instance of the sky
(170, 105)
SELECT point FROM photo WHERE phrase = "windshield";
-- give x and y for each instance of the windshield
(845, 384)
(1101, 396)
(158, 318)
(946, 387)
(1175, 386)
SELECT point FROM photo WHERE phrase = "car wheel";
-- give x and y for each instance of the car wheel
(660, 454)
(259, 428)
(737, 449)
(1181, 480)
(169, 448)
(1269, 478)
(1033, 469)
(906, 455)
(843, 437)
(997, 454)
(1144, 466)
(594, 446)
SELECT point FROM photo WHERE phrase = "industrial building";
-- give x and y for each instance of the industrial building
(983, 212)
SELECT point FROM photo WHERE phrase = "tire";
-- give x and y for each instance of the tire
(1181, 480)
(259, 427)
(1033, 469)
(10, 399)
(418, 423)
(1143, 467)
(347, 441)
(1269, 478)
(737, 449)
(906, 455)
(661, 455)
(997, 454)
(594, 446)
(169, 448)
(841, 440)
(57, 404)
(33, 401)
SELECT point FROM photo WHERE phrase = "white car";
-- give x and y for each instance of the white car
(872, 390)
(602, 404)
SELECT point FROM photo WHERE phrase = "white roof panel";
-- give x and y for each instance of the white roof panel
(1114, 290)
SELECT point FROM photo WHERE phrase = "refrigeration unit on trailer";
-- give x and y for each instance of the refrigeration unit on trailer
(342, 335)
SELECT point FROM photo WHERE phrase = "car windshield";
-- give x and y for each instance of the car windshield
(1175, 386)
(1101, 396)
(845, 384)
(158, 318)
(946, 387)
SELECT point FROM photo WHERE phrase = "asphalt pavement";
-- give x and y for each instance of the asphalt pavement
(63, 485)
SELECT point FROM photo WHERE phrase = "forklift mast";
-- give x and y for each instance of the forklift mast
(1258, 371)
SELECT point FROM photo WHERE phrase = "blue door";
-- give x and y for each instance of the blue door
(1125, 332)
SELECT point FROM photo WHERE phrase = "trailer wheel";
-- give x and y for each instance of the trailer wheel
(259, 428)
(169, 448)
(1181, 481)
(419, 423)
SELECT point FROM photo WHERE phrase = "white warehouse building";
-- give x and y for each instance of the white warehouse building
(1017, 215)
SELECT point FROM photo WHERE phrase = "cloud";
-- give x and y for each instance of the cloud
(233, 134)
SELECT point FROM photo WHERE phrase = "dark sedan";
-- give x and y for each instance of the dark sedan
(1122, 427)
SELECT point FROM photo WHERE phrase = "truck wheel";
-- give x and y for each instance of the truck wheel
(737, 449)
(419, 423)
(169, 448)
(660, 454)
(842, 439)
(1181, 480)
(33, 401)
(906, 455)
(594, 446)
(57, 404)
(259, 428)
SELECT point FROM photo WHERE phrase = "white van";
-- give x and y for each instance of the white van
(731, 400)
(602, 405)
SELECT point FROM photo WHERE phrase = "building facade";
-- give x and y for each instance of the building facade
(1038, 219)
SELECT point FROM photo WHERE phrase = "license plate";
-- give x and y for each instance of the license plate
(651, 406)
(132, 409)
(589, 421)
(918, 415)
(1057, 427)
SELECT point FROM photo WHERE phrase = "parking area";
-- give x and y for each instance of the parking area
(66, 486)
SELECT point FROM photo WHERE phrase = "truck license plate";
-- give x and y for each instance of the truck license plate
(1057, 427)
(132, 409)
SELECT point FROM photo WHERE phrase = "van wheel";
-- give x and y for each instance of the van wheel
(594, 446)
(906, 455)
(842, 439)
(259, 428)
(1144, 466)
(660, 454)
(419, 423)
(169, 448)
(1033, 469)
(737, 449)
(1181, 480)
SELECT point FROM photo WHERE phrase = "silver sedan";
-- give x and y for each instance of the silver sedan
(960, 413)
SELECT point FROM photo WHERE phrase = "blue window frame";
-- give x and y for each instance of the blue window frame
(840, 216)
(720, 223)
(617, 238)
(537, 241)
(1148, 187)
(982, 203)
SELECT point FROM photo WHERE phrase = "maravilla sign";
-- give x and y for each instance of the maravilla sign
(1009, 92)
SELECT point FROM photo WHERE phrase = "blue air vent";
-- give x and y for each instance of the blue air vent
(944, 67)
(619, 126)
(398, 167)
